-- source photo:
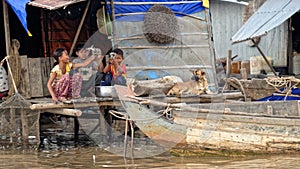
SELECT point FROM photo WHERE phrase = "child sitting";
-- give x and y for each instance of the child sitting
(61, 85)
(92, 74)
(115, 68)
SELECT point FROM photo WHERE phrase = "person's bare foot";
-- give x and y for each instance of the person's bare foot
(62, 99)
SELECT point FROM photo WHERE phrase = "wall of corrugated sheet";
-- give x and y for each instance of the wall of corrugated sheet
(226, 21)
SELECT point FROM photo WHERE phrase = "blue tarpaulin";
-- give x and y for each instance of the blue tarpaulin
(125, 7)
(278, 96)
(19, 7)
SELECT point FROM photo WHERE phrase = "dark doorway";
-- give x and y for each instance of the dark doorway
(296, 32)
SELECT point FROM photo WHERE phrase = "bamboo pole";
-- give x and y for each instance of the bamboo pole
(80, 26)
(12, 77)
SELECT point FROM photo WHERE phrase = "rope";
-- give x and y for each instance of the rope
(287, 83)
(239, 83)
(283, 82)
(127, 119)
(114, 113)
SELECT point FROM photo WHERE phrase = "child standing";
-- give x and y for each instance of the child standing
(116, 68)
(61, 85)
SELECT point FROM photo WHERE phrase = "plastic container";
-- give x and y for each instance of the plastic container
(258, 63)
(235, 67)
(255, 65)
(105, 91)
(246, 64)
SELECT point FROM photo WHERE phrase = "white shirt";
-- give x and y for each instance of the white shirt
(3, 80)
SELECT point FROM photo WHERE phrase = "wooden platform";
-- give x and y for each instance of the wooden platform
(24, 122)
(45, 104)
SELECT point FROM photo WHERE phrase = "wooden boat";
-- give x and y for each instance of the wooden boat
(260, 127)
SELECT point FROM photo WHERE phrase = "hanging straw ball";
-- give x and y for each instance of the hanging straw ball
(160, 24)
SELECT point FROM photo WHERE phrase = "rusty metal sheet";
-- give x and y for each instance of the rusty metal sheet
(53, 4)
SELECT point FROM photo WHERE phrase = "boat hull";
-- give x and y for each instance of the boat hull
(262, 127)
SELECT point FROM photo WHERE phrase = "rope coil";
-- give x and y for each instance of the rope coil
(287, 83)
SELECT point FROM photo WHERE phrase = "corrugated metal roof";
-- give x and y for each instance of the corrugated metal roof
(53, 4)
(270, 15)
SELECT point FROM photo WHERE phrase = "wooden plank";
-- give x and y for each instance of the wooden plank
(240, 118)
(44, 106)
(6, 27)
(24, 88)
(35, 77)
(67, 112)
(45, 70)
(280, 108)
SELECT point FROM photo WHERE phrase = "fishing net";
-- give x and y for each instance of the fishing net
(160, 25)
(19, 125)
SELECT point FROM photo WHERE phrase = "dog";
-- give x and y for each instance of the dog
(197, 86)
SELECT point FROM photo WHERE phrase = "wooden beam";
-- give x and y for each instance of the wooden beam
(79, 27)
(6, 27)
(44, 106)
(67, 112)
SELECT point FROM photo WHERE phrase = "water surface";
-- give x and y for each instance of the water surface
(95, 157)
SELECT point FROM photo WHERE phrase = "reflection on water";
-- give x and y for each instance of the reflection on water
(95, 157)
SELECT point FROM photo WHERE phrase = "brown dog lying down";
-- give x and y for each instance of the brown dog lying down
(196, 87)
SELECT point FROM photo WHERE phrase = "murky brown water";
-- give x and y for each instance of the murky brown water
(59, 151)
(95, 157)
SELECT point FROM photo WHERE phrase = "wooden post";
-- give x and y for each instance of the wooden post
(25, 129)
(243, 73)
(103, 126)
(228, 63)
(13, 124)
(37, 126)
(76, 129)
(6, 27)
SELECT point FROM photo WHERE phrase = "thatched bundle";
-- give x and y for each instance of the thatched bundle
(160, 24)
